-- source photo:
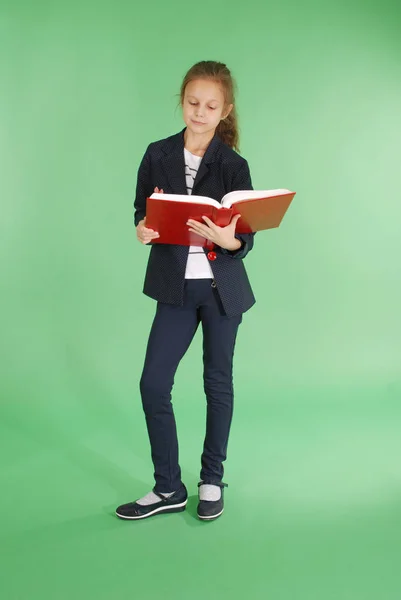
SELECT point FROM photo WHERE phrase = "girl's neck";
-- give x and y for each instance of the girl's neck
(197, 144)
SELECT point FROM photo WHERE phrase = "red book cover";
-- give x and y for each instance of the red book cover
(168, 213)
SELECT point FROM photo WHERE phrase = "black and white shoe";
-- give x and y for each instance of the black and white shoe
(211, 509)
(174, 503)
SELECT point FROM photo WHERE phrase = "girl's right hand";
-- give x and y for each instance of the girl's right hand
(143, 233)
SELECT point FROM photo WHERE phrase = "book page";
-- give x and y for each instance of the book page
(190, 199)
(239, 195)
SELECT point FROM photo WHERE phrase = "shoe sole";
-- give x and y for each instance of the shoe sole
(162, 509)
(211, 517)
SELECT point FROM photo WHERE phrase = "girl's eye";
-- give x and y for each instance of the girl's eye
(195, 103)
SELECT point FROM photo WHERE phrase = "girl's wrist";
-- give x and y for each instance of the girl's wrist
(235, 245)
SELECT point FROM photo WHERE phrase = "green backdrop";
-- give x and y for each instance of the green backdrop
(313, 503)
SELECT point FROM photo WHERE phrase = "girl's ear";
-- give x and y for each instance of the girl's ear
(227, 111)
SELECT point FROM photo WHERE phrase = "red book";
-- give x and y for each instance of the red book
(168, 213)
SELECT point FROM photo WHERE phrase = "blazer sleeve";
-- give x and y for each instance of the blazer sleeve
(242, 181)
(143, 188)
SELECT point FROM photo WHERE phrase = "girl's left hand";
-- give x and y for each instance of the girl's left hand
(222, 236)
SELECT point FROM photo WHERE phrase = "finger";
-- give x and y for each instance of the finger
(199, 229)
(197, 225)
(209, 222)
(198, 232)
(144, 235)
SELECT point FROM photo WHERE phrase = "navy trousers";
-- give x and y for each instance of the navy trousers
(171, 333)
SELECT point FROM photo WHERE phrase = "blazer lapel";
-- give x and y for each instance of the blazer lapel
(174, 162)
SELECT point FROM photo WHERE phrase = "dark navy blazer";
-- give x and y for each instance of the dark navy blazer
(221, 170)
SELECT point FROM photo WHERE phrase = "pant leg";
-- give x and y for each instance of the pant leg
(172, 331)
(219, 336)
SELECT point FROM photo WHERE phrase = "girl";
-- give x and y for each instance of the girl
(193, 286)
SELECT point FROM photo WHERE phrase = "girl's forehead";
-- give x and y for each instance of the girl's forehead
(203, 88)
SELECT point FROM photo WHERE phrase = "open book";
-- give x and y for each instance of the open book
(259, 209)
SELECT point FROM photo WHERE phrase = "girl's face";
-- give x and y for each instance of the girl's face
(203, 106)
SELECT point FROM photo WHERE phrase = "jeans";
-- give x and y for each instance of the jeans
(171, 333)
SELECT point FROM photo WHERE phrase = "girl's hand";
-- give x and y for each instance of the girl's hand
(222, 236)
(144, 234)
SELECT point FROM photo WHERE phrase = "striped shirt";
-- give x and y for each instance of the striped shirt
(198, 266)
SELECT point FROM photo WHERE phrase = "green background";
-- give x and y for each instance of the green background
(313, 503)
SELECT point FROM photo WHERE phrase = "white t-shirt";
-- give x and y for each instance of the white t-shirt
(198, 266)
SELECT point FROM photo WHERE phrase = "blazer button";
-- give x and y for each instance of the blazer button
(212, 255)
